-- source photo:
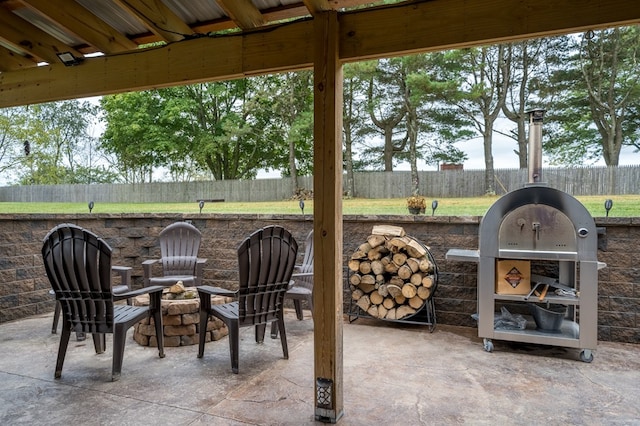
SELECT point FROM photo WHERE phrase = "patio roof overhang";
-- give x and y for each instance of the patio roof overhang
(325, 36)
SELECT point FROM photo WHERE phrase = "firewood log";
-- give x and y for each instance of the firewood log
(391, 268)
(409, 290)
(396, 281)
(364, 247)
(416, 279)
(377, 267)
(400, 299)
(424, 292)
(376, 240)
(382, 289)
(415, 249)
(394, 290)
(414, 264)
(355, 279)
(367, 288)
(365, 267)
(354, 265)
(357, 294)
(367, 279)
(382, 311)
(416, 302)
(359, 254)
(391, 314)
(388, 230)
(426, 265)
(427, 281)
(403, 311)
(376, 298)
(400, 259)
(373, 311)
(389, 302)
(396, 244)
(404, 272)
(364, 303)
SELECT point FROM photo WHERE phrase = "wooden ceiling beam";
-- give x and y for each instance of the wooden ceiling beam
(160, 20)
(85, 25)
(365, 34)
(12, 61)
(30, 39)
(243, 13)
(396, 30)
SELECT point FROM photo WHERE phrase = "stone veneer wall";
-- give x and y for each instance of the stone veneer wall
(133, 237)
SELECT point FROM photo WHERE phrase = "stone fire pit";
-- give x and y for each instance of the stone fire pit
(180, 317)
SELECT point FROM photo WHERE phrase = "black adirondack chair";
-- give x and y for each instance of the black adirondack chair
(179, 246)
(266, 259)
(302, 288)
(78, 265)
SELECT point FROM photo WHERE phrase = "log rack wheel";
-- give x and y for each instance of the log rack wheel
(392, 277)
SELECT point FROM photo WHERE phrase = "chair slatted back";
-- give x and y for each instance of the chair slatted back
(78, 265)
(266, 260)
(307, 264)
(179, 246)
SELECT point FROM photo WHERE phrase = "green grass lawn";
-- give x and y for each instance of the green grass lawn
(623, 206)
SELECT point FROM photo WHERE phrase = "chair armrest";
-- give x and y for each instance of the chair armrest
(145, 290)
(302, 274)
(216, 291)
(200, 270)
(125, 274)
(147, 270)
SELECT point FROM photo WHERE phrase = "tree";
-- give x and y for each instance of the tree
(482, 77)
(386, 107)
(224, 128)
(293, 117)
(355, 113)
(595, 95)
(432, 124)
(527, 68)
(60, 146)
(14, 138)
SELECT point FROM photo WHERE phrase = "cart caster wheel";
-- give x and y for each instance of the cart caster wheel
(488, 345)
(586, 355)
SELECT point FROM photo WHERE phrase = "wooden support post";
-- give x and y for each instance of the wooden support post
(327, 225)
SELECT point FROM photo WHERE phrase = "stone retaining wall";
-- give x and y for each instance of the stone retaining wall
(133, 237)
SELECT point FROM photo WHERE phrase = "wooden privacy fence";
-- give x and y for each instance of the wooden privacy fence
(447, 183)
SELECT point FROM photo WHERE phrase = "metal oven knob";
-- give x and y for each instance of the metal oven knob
(583, 232)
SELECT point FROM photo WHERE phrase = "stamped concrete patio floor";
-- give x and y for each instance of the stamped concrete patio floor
(393, 375)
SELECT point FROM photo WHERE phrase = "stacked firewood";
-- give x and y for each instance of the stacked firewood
(392, 274)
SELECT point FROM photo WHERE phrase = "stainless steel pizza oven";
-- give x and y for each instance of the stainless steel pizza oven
(551, 239)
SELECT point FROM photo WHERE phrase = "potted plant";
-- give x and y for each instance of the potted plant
(416, 204)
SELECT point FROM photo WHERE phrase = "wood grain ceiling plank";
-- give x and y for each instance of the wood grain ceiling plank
(11, 61)
(84, 24)
(28, 38)
(243, 13)
(160, 20)
(316, 6)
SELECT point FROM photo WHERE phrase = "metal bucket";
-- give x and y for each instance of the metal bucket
(548, 318)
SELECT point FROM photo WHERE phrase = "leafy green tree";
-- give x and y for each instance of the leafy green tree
(354, 118)
(60, 144)
(14, 139)
(386, 109)
(432, 124)
(527, 68)
(292, 112)
(224, 128)
(481, 76)
(594, 96)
